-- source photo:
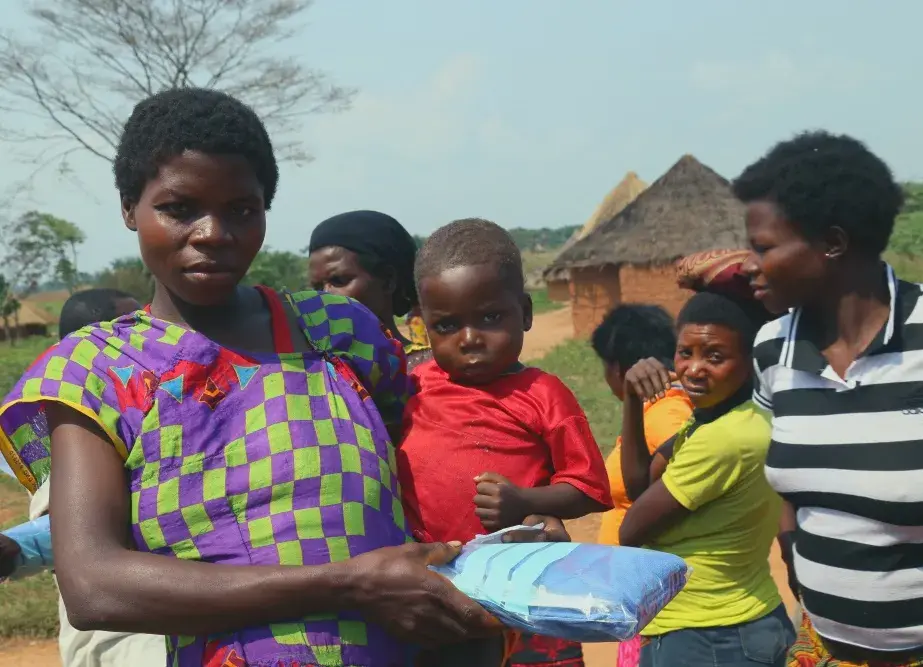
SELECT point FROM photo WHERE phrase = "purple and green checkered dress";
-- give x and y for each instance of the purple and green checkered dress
(240, 459)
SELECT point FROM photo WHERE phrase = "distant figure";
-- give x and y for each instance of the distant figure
(101, 304)
(369, 256)
(79, 648)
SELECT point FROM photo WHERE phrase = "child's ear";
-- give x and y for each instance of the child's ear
(526, 312)
(128, 214)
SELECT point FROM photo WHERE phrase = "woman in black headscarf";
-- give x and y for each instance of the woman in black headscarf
(369, 256)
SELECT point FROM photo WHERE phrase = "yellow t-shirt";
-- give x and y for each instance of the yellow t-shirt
(716, 472)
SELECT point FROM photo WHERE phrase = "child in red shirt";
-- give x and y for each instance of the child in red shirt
(488, 441)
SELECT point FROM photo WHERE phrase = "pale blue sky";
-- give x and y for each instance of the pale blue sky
(528, 112)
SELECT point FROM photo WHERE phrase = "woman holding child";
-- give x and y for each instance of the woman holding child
(229, 425)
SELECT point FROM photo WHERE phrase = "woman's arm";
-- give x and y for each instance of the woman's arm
(649, 380)
(636, 457)
(107, 586)
(788, 524)
(650, 515)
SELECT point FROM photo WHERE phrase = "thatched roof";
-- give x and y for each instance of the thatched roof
(30, 314)
(688, 209)
(618, 198)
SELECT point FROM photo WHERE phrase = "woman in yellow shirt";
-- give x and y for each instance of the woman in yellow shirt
(629, 333)
(712, 506)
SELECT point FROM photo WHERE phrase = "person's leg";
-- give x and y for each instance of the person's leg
(683, 648)
(762, 642)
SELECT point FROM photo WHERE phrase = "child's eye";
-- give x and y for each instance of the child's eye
(715, 358)
(492, 318)
(444, 328)
(244, 211)
(684, 354)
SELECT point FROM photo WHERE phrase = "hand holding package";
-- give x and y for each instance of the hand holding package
(578, 592)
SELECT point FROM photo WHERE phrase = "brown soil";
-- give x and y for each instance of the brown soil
(548, 331)
(30, 653)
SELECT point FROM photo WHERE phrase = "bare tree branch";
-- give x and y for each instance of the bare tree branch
(106, 55)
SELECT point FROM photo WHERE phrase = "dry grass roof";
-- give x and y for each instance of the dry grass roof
(688, 209)
(31, 314)
(618, 198)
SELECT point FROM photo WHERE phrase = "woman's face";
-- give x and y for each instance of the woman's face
(710, 363)
(786, 270)
(200, 222)
(338, 271)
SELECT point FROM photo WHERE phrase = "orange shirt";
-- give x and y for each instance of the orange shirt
(661, 422)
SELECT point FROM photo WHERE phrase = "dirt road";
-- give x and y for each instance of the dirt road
(548, 331)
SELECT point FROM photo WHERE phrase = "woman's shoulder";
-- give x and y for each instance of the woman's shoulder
(328, 316)
(744, 428)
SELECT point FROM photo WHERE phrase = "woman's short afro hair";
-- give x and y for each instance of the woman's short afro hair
(821, 180)
(180, 119)
(743, 316)
(632, 332)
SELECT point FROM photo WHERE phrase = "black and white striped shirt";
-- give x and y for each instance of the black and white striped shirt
(847, 453)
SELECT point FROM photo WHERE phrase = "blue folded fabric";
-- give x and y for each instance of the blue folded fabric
(34, 540)
(578, 592)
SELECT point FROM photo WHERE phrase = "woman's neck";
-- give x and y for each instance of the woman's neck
(169, 307)
(855, 308)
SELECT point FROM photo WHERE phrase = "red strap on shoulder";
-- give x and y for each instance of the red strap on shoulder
(281, 331)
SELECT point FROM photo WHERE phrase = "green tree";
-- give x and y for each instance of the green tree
(278, 269)
(41, 246)
(129, 275)
(9, 307)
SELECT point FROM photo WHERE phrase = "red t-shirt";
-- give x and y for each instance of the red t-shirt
(526, 426)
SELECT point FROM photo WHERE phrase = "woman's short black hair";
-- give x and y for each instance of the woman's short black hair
(821, 180)
(168, 123)
(632, 332)
(744, 317)
(99, 304)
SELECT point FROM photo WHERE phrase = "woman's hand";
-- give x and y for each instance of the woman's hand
(395, 589)
(648, 380)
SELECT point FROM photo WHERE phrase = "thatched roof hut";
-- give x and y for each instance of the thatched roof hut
(630, 257)
(628, 189)
(30, 320)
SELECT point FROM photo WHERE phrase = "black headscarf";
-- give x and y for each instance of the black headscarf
(379, 240)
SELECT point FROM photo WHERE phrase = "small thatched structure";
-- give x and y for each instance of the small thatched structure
(630, 257)
(557, 278)
(29, 320)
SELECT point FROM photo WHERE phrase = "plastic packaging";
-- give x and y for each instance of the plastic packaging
(578, 592)
(34, 539)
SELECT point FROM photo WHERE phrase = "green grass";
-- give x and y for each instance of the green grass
(578, 367)
(28, 608)
(542, 304)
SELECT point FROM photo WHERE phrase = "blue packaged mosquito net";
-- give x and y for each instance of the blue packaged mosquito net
(578, 592)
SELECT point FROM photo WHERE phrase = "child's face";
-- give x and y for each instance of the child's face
(476, 322)
(200, 222)
(710, 363)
